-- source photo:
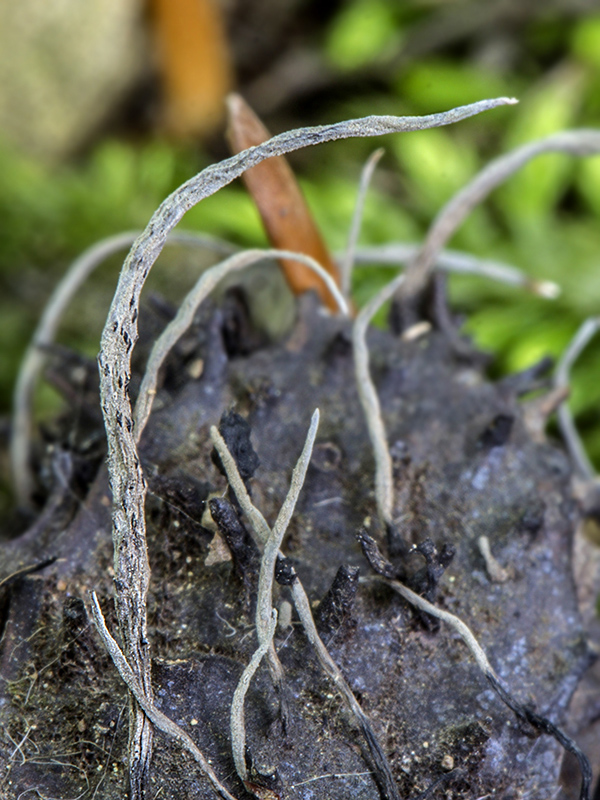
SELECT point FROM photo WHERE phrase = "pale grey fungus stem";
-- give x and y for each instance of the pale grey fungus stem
(582, 463)
(266, 617)
(237, 718)
(384, 487)
(496, 572)
(347, 262)
(576, 143)
(188, 308)
(259, 524)
(303, 609)
(331, 669)
(159, 719)
(45, 333)
(451, 619)
(396, 255)
(132, 571)
(264, 603)
(521, 710)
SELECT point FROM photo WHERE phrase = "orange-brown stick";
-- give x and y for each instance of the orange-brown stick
(284, 212)
(195, 64)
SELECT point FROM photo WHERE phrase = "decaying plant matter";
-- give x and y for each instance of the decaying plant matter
(414, 449)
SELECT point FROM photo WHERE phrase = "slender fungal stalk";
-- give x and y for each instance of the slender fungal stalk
(348, 261)
(132, 571)
(384, 489)
(562, 380)
(159, 719)
(581, 142)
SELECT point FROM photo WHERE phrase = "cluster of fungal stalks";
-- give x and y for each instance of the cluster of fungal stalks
(124, 427)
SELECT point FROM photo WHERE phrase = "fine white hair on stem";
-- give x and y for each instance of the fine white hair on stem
(45, 333)
(192, 301)
(561, 380)
(304, 611)
(347, 261)
(236, 716)
(384, 487)
(131, 566)
(581, 142)
(396, 255)
(152, 712)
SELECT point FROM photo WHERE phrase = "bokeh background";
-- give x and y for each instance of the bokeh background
(106, 106)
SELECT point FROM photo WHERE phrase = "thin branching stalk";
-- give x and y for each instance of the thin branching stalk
(259, 524)
(132, 571)
(45, 333)
(331, 669)
(264, 603)
(266, 617)
(159, 719)
(348, 261)
(188, 308)
(384, 488)
(581, 142)
(236, 716)
(304, 611)
(397, 255)
(562, 379)
(482, 661)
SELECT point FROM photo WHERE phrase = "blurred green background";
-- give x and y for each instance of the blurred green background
(311, 66)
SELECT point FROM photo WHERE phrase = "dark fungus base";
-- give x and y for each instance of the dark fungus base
(464, 466)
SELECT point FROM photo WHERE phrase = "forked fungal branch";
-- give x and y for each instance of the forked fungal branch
(266, 616)
(303, 609)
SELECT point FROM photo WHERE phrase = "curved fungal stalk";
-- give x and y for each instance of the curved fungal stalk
(304, 611)
(159, 719)
(347, 262)
(524, 712)
(192, 301)
(237, 719)
(44, 335)
(266, 616)
(581, 142)
(562, 380)
(398, 255)
(384, 486)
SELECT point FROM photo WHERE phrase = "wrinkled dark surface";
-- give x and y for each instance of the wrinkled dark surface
(464, 466)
